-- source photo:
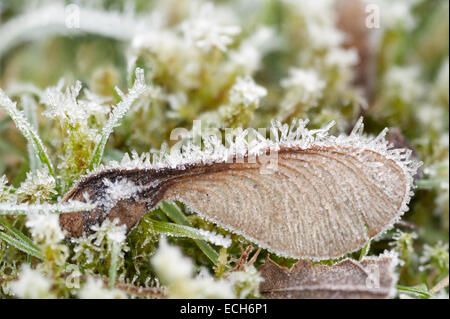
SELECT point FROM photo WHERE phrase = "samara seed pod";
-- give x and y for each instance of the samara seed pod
(301, 194)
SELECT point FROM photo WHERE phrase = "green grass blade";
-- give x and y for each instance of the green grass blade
(429, 183)
(21, 245)
(417, 291)
(172, 229)
(27, 130)
(17, 233)
(210, 252)
(174, 213)
(364, 251)
(113, 265)
(59, 208)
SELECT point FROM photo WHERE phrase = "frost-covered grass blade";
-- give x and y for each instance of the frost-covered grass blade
(174, 213)
(19, 240)
(60, 208)
(176, 230)
(27, 130)
(118, 112)
(17, 233)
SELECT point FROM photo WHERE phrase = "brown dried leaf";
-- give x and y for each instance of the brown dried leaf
(326, 198)
(373, 277)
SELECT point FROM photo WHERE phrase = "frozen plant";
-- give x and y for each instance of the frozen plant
(246, 282)
(304, 89)
(244, 98)
(177, 273)
(6, 194)
(38, 187)
(95, 289)
(32, 285)
(205, 30)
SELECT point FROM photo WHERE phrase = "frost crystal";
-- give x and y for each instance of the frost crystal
(246, 281)
(404, 82)
(322, 37)
(23, 209)
(170, 263)
(37, 187)
(246, 91)
(45, 227)
(206, 32)
(249, 54)
(63, 106)
(282, 135)
(304, 86)
(31, 284)
(109, 230)
(177, 270)
(97, 247)
(341, 58)
(5, 191)
(117, 190)
(95, 289)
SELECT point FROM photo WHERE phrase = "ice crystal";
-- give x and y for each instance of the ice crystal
(248, 56)
(177, 271)
(23, 209)
(322, 37)
(37, 187)
(436, 255)
(404, 82)
(117, 190)
(246, 281)
(170, 263)
(96, 248)
(304, 86)
(246, 91)
(295, 135)
(63, 106)
(205, 31)
(31, 284)
(45, 227)
(211, 237)
(109, 230)
(67, 107)
(5, 191)
(95, 289)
